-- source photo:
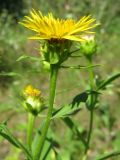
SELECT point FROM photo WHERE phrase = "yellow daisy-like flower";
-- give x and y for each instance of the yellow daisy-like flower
(50, 28)
(30, 91)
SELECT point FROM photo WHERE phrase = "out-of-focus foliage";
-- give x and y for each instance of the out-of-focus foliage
(14, 7)
(13, 44)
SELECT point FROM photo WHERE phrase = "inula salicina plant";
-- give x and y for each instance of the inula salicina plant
(56, 37)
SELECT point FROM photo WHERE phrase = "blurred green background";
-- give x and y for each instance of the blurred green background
(14, 75)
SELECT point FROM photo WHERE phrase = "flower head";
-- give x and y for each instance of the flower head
(89, 46)
(33, 101)
(58, 30)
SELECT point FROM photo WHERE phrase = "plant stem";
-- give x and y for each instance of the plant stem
(109, 155)
(91, 106)
(53, 78)
(31, 120)
(90, 130)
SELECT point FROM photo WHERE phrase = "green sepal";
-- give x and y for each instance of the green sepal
(55, 52)
(88, 48)
(31, 109)
(54, 58)
(46, 66)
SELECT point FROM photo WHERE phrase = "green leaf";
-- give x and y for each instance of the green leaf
(65, 111)
(4, 132)
(82, 97)
(10, 139)
(14, 154)
(58, 157)
(10, 74)
(48, 146)
(72, 108)
(46, 152)
(70, 123)
(90, 104)
(109, 155)
(79, 67)
(108, 81)
(7, 135)
(23, 57)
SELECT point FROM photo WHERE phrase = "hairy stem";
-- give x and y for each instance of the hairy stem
(91, 106)
(53, 78)
(90, 130)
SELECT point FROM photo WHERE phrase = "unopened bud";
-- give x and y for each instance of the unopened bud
(88, 47)
(33, 101)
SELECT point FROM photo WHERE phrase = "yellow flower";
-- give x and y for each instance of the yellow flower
(52, 29)
(30, 91)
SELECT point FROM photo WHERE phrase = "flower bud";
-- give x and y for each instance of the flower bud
(56, 52)
(33, 101)
(88, 47)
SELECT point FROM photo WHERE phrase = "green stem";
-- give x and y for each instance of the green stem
(91, 105)
(53, 78)
(90, 130)
(31, 120)
(109, 155)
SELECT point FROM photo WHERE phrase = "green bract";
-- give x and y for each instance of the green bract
(55, 52)
(33, 105)
(88, 47)
(33, 101)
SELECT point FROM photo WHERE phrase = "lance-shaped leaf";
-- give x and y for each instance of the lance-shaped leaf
(58, 157)
(109, 155)
(4, 132)
(79, 67)
(73, 127)
(10, 74)
(71, 108)
(24, 57)
(106, 82)
(50, 143)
